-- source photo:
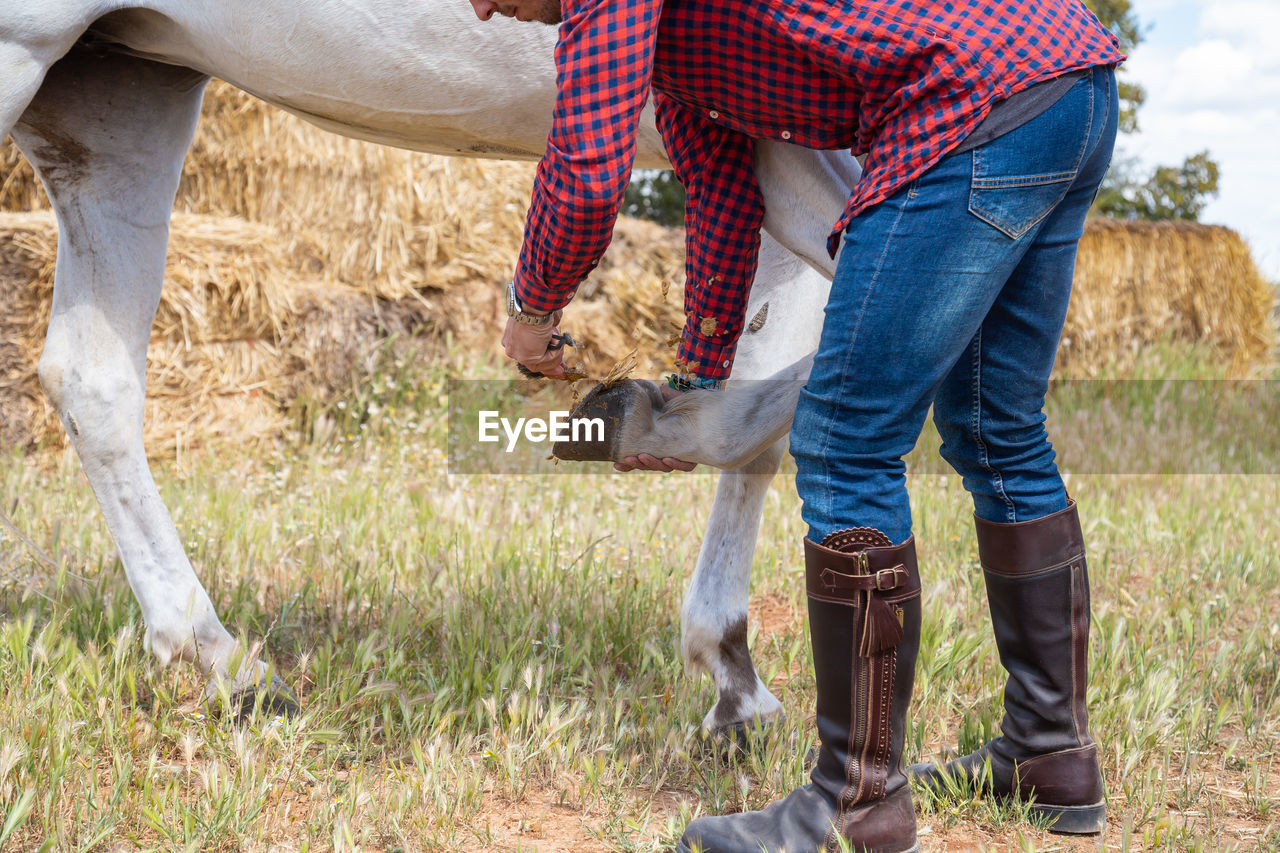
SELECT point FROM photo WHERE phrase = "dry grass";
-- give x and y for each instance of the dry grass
(236, 338)
(491, 663)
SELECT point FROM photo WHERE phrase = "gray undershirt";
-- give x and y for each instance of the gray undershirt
(1018, 109)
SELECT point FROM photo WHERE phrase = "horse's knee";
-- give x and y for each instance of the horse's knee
(24, 67)
(50, 372)
(99, 398)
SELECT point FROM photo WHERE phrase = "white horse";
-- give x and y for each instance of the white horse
(102, 97)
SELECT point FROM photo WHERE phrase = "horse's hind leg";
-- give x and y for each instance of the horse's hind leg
(107, 134)
(27, 48)
(20, 76)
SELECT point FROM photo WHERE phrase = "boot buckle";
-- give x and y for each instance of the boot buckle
(883, 584)
(883, 580)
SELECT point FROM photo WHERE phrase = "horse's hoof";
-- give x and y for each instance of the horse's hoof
(274, 700)
(745, 735)
(615, 407)
(734, 737)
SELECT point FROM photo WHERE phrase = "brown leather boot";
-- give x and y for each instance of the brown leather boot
(1038, 587)
(864, 623)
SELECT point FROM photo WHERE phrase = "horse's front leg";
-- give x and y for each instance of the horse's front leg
(743, 428)
(722, 429)
(107, 134)
(713, 635)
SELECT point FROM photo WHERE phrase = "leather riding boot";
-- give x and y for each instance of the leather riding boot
(864, 623)
(1038, 587)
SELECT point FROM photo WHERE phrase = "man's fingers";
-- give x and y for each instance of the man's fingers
(556, 371)
(547, 362)
(647, 462)
(530, 345)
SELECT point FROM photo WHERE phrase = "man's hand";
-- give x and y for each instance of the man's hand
(531, 346)
(645, 462)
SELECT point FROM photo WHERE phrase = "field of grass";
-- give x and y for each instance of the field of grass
(492, 662)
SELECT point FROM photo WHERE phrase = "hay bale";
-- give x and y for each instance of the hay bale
(225, 279)
(26, 276)
(20, 189)
(634, 301)
(332, 340)
(236, 338)
(1139, 283)
(386, 221)
(296, 252)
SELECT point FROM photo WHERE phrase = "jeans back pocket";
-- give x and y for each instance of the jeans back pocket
(1015, 205)
(1019, 177)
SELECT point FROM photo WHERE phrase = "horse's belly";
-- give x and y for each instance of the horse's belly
(422, 74)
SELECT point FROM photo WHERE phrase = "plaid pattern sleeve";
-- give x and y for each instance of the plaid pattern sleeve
(604, 64)
(723, 214)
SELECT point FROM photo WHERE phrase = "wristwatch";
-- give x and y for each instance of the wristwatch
(515, 312)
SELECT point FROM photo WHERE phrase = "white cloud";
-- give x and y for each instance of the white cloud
(1212, 75)
(1249, 22)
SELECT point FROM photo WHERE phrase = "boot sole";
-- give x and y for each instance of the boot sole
(1060, 820)
(1072, 820)
(914, 848)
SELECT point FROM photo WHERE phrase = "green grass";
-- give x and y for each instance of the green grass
(492, 662)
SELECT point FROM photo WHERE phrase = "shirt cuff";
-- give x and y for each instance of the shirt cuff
(536, 296)
(705, 357)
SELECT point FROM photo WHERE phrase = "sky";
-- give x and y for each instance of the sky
(1211, 69)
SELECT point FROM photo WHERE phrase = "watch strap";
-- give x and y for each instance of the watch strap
(515, 312)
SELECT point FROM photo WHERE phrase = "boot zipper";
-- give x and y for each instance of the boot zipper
(861, 708)
(860, 724)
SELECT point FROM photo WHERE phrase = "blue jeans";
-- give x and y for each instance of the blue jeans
(953, 293)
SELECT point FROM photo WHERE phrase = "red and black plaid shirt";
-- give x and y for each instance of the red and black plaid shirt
(902, 81)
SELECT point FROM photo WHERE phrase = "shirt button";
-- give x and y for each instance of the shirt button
(714, 114)
(786, 134)
(726, 364)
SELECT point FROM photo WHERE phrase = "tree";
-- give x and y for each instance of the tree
(1117, 16)
(655, 195)
(1170, 192)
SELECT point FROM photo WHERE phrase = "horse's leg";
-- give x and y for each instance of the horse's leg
(107, 134)
(32, 37)
(713, 630)
(787, 297)
(805, 192)
(722, 429)
(741, 429)
(19, 81)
